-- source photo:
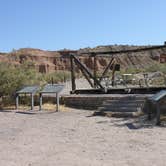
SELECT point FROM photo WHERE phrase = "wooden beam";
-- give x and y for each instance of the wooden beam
(72, 74)
(77, 61)
(113, 75)
(95, 70)
(87, 78)
(125, 51)
(106, 69)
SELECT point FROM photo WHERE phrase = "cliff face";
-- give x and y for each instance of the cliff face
(49, 61)
(44, 61)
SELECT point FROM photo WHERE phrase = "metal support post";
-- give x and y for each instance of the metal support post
(32, 101)
(57, 102)
(40, 104)
(17, 101)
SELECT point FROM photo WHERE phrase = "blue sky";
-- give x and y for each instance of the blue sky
(74, 24)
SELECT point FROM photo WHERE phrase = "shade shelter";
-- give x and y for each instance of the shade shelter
(51, 89)
(31, 90)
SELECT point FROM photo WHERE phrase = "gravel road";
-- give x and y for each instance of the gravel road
(74, 138)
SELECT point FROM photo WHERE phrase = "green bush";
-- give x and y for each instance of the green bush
(13, 78)
(152, 68)
(157, 67)
(56, 77)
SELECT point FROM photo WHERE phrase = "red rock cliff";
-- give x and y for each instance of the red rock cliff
(49, 61)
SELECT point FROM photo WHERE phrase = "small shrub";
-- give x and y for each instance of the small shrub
(57, 77)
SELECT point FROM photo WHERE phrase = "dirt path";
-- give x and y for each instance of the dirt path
(74, 139)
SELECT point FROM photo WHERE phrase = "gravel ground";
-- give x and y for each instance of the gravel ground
(74, 138)
(80, 84)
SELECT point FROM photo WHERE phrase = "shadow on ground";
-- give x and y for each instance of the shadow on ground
(132, 123)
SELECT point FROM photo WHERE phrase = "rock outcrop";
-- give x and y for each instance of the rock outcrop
(49, 61)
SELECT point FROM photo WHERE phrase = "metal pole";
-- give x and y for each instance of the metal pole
(17, 101)
(32, 101)
(57, 102)
(40, 106)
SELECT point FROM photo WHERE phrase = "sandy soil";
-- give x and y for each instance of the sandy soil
(74, 138)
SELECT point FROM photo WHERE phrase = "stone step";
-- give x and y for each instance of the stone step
(123, 102)
(120, 109)
(130, 97)
(119, 105)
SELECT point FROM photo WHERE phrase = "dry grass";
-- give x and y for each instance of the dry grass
(45, 107)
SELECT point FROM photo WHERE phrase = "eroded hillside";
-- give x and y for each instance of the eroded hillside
(48, 61)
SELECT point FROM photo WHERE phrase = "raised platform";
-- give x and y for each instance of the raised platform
(129, 90)
(94, 101)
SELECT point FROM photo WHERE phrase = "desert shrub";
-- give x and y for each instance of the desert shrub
(13, 78)
(131, 70)
(57, 77)
(153, 68)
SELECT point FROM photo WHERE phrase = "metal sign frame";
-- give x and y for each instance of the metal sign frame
(32, 90)
(51, 89)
